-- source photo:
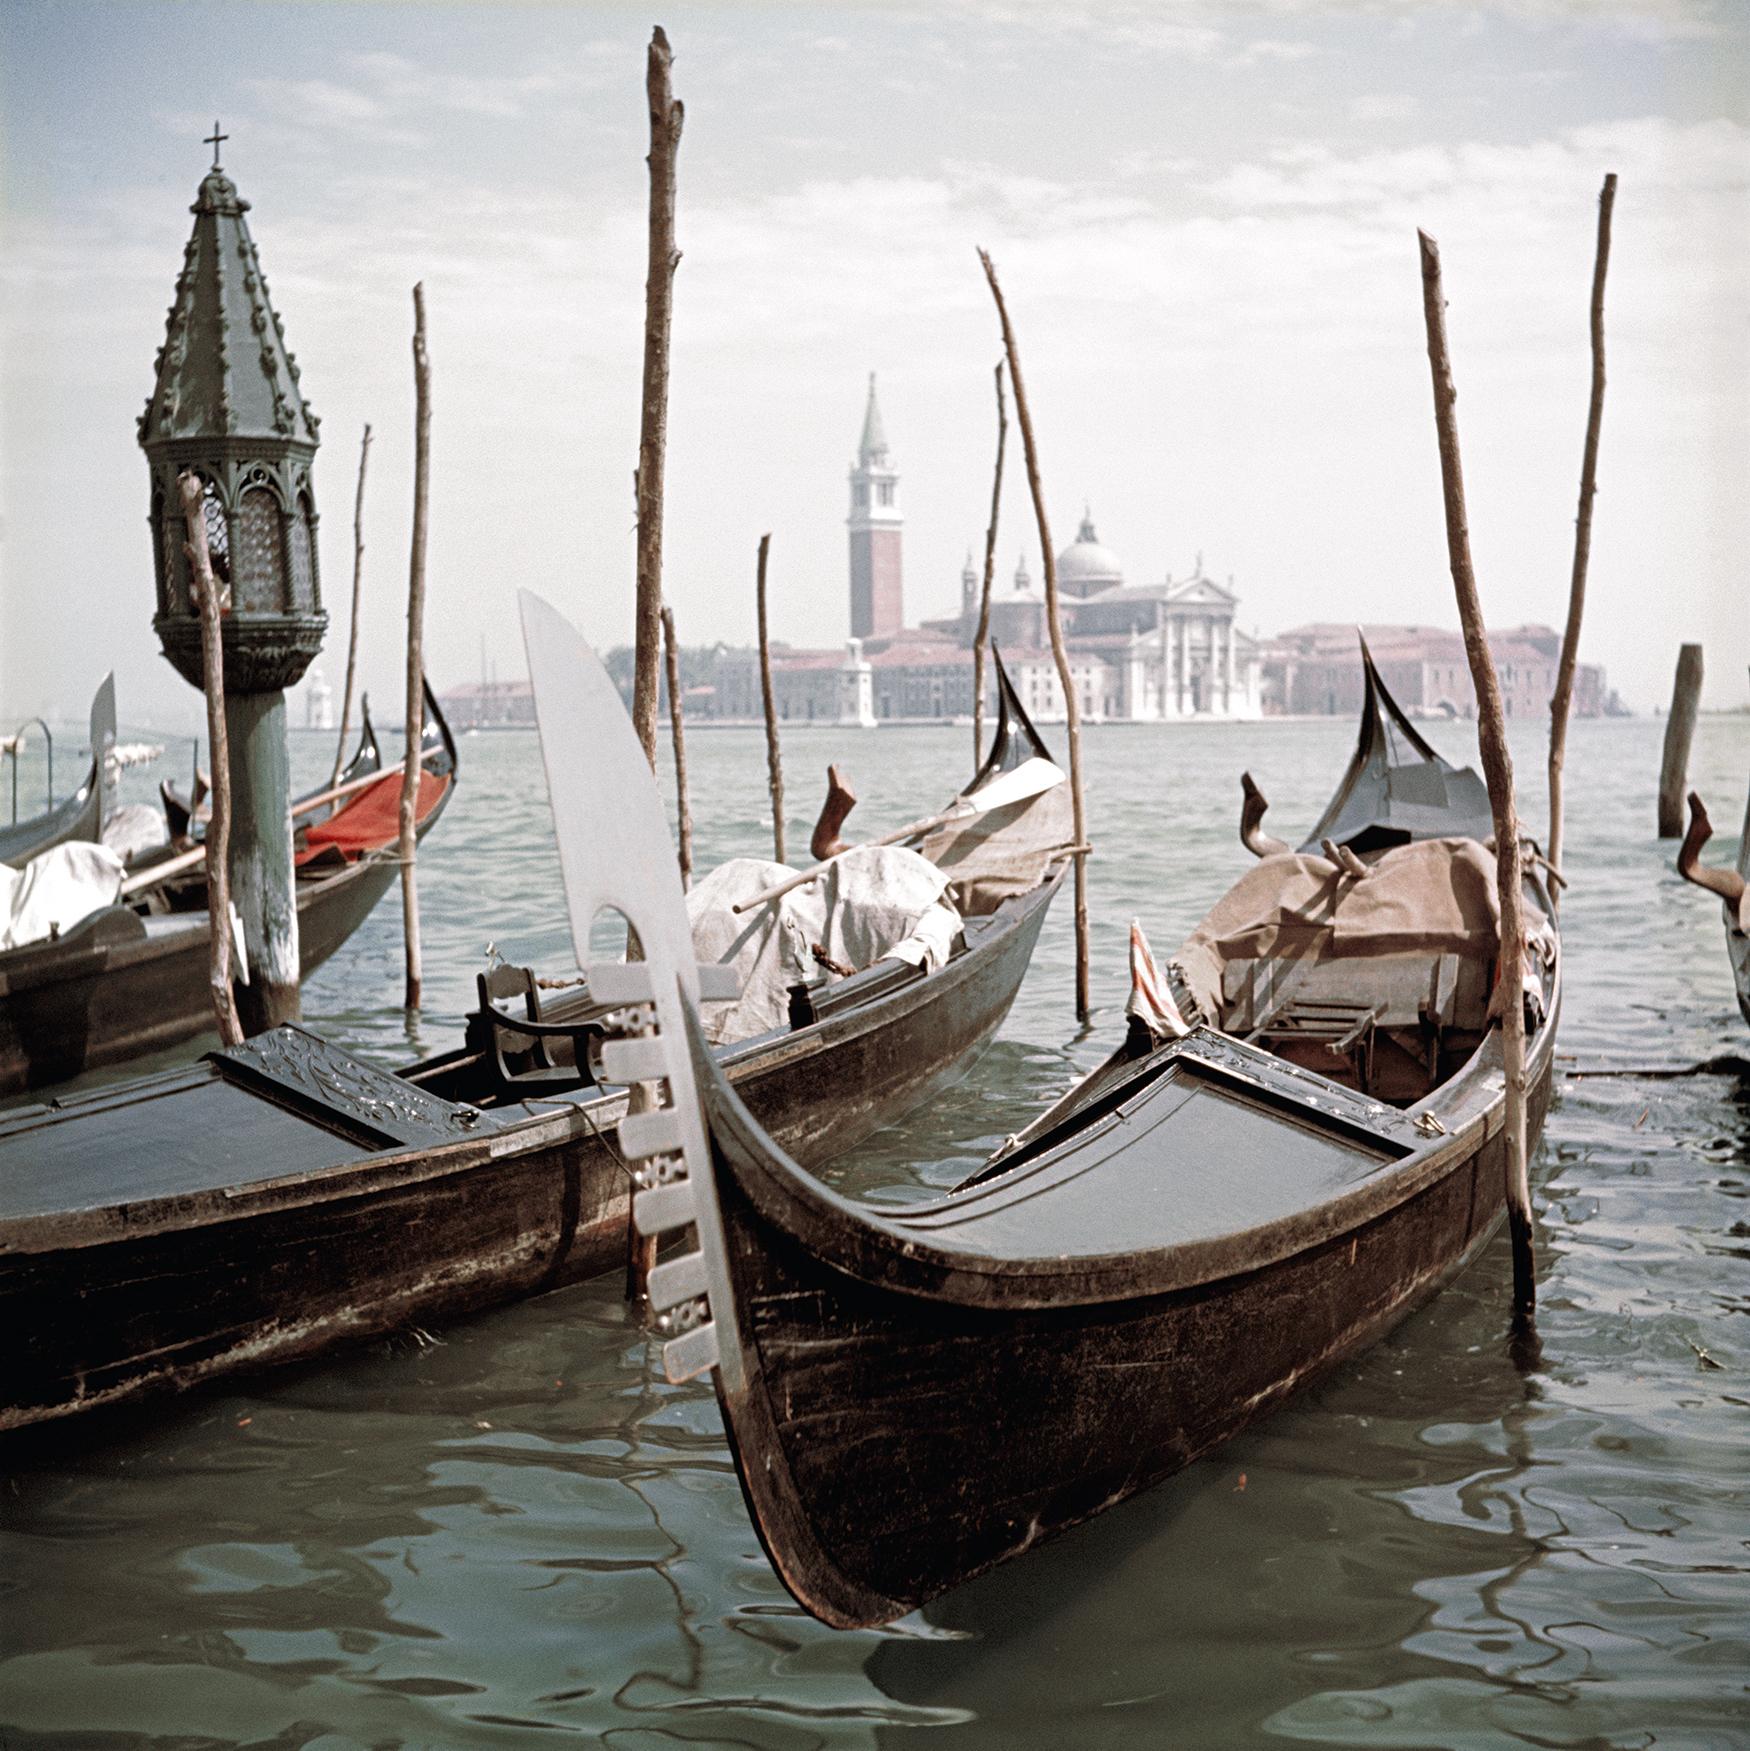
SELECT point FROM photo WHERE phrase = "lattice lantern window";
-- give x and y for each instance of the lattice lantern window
(177, 568)
(304, 557)
(259, 566)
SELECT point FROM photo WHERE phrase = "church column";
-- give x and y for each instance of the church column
(1231, 712)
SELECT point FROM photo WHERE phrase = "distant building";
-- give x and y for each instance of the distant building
(484, 705)
(1315, 671)
(318, 701)
(1140, 652)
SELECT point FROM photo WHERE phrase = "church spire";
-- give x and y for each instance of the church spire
(873, 448)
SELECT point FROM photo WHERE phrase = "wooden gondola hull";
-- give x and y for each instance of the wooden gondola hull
(930, 1440)
(166, 1292)
(106, 992)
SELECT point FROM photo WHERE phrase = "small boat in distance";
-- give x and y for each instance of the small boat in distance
(1731, 884)
(132, 977)
(79, 816)
(1225, 1210)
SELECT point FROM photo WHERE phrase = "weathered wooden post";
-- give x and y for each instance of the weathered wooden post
(666, 117)
(1562, 700)
(1679, 733)
(677, 727)
(352, 641)
(774, 758)
(981, 638)
(412, 756)
(228, 409)
(208, 598)
(1054, 621)
(1498, 770)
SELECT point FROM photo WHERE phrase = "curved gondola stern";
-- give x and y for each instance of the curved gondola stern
(104, 774)
(1015, 741)
(655, 1040)
(435, 730)
(1383, 799)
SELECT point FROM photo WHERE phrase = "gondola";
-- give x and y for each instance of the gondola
(79, 816)
(1300, 1139)
(132, 977)
(184, 810)
(1731, 884)
(284, 1197)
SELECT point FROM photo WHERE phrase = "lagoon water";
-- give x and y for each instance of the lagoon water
(510, 1532)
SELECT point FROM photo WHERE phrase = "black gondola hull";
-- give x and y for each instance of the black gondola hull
(893, 1443)
(174, 1288)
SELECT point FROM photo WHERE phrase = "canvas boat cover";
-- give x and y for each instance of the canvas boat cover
(1434, 896)
(877, 902)
(55, 890)
(1006, 851)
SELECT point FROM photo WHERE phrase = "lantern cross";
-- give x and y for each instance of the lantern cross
(213, 140)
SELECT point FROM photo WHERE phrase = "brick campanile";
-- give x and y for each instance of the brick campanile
(877, 593)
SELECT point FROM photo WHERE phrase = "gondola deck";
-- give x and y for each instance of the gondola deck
(283, 1196)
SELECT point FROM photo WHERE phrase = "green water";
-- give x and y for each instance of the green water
(510, 1532)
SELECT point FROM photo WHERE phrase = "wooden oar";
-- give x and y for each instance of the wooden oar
(1031, 778)
(187, 860)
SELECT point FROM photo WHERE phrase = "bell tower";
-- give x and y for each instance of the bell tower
(875, 523)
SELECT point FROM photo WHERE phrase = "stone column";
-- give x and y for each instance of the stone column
(262, 879)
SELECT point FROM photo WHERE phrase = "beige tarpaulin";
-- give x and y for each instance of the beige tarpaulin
(1434, 896)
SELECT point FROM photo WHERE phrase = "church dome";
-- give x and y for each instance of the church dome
(1086, 566)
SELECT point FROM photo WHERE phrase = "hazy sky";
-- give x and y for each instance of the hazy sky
(1204, 218)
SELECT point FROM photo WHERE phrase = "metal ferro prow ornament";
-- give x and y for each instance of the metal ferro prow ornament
(596, 774)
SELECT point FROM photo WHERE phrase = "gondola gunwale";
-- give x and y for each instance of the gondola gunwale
(892, 1252)
(581, 1114)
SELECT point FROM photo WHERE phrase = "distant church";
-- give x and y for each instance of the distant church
(1147, 652)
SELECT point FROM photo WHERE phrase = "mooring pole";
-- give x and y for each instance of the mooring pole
(981, 638)
(677, 728)
(219, 822)
(774, 758)
(1562, 700)
(412, 759)
(1498, 770)
(1054, 623)
(1679, 733)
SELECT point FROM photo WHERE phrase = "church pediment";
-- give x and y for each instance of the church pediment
(1196, 592)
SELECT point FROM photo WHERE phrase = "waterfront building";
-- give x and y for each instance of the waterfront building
(1315, 671)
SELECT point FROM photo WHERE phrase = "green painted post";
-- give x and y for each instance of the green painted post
(261, 857)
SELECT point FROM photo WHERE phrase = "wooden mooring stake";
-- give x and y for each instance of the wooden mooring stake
(1072, 707)
(218, 846)
(1498, 770)
(411, 759)
(666, 116)
(1562, 700)
(774, 758)
(1679, 733)
(352, 642)
(981, 640)
(683, 810)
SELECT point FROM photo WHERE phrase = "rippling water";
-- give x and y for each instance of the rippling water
(511, 1530)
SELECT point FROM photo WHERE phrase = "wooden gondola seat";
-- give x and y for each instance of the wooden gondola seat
(524, 1057)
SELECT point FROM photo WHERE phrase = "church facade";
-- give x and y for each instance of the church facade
(1137, 652)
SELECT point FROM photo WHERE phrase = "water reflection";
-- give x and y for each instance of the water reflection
(512, 1526)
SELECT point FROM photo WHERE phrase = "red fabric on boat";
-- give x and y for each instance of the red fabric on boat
(372, 819)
